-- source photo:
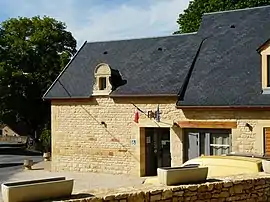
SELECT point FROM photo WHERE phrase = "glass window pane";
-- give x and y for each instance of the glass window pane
(102, 83)
(202, 144)
(219, 143)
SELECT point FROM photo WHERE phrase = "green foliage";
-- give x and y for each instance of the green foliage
(45, 140)
(190, 20)
(33, 51)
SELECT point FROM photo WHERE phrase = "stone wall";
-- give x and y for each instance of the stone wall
(249, 190)
(244, 139)
(80, 142)
(13, 139)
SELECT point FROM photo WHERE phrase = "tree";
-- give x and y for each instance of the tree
(190, 20)
(32, 53)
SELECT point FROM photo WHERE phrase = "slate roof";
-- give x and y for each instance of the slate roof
(146, 69)
(226, 71)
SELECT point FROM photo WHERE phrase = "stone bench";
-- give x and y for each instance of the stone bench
(266, 166)
(37, 190)
(182, 175)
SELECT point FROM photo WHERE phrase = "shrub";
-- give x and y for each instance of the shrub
(45, 140)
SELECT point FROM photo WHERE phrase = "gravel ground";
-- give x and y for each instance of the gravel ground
(96, 182)
(83, 182)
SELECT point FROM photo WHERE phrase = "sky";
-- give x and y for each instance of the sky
(103, 20)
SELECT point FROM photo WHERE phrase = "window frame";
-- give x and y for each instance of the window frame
(268, 71)
(204, 139)
(102, 83)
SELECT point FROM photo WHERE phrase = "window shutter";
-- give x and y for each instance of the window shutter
(267, 141)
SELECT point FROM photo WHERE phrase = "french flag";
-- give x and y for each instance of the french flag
(136, 116)
(158, 114)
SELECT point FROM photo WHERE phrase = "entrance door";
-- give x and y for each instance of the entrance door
(192, 145)
(157, 145)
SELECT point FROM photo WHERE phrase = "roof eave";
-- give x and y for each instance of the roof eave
(143, 95)
(259, 50)
(232, 107)
(112, 96)
(66, 98)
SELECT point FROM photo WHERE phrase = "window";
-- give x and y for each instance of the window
(102, 83)
(207, 142)
(268, 70)
(264, 51)
(219, 144)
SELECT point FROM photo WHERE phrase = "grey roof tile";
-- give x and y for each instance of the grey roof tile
(228, 70)
(146, 69)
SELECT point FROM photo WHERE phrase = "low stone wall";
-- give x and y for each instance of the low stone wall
(256, 189)
(13, 139)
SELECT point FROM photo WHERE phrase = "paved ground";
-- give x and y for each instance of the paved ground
(83, 181)
(11, 160)
(12, 164)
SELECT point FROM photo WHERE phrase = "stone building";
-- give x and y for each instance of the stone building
(131, 106)
(5, 131)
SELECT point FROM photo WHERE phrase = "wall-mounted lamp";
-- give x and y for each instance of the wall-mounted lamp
(249, 126)
(104, 124)
(150, 114)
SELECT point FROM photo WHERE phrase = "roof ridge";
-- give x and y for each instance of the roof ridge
(130, 39)
(236, 10)
(183, 89)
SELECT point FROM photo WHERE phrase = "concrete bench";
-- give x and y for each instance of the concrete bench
(266, 166)
(37, 190)
(182, 175)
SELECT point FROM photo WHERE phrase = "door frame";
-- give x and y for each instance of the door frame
(156, 136)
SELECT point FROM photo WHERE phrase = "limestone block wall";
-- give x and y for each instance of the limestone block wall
(249, 190)
(244, 139)
(13, 139)
(80, 142)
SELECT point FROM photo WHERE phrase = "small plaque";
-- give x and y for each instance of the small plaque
(163, 142)
(133, 142)
(148, 140)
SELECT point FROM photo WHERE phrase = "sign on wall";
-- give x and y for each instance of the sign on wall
(148, 140)
(133, 142)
